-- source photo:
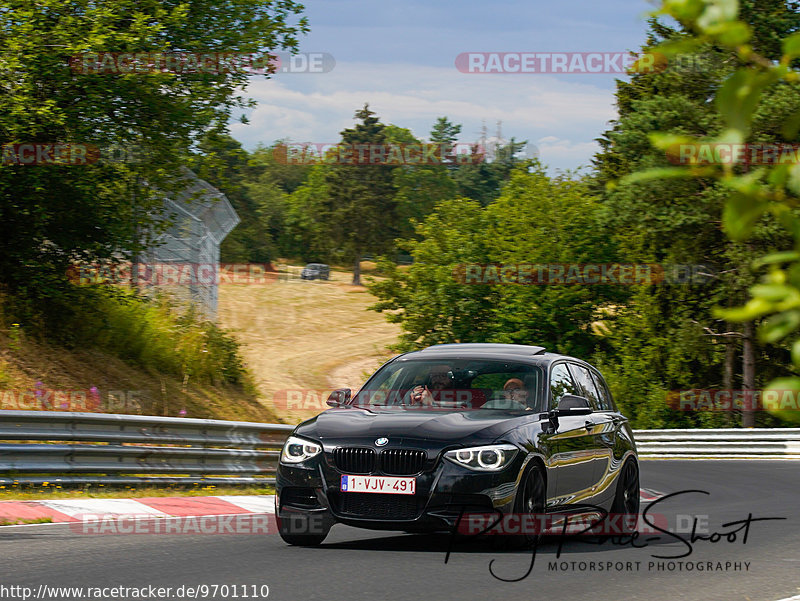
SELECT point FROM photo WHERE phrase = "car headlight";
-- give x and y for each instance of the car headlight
(297, 450)
(490, 458)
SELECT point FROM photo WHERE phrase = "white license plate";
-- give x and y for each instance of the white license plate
(379, 484)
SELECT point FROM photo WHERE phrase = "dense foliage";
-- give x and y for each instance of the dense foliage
(52, 215)
(729, 77)
(637, 208)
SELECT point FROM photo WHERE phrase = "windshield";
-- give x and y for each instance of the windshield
(454, 384)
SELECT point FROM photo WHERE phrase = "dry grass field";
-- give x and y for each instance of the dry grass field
(306, 337)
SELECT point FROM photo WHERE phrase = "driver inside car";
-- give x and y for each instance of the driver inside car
(437, 391)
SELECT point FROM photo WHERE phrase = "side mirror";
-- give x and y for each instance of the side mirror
(571, 404)
(339, 397)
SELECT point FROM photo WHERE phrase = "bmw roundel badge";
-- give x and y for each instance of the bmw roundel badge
(382, 442)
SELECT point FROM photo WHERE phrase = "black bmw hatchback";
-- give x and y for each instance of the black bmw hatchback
(454, 428)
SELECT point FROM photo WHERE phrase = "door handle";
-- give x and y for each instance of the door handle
(588, 425)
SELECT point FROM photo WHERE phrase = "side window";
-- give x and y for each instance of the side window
(560, 384)
(585, 384)
(602, 390)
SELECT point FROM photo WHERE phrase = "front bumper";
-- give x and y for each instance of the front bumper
(444, 491)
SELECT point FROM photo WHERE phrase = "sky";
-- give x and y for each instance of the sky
(400, 57)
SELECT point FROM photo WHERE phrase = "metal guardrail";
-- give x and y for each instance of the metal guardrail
(723, 443)
(88, 448)
(61, 447)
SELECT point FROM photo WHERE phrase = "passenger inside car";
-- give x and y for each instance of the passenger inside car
(513, 396)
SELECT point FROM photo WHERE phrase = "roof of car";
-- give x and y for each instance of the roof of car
(475, 350)
(511, 352)
(485, 347)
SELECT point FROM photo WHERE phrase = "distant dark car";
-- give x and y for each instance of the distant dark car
(486, 427)
(316, 271)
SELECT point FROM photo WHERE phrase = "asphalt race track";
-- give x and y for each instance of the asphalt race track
(359, 564)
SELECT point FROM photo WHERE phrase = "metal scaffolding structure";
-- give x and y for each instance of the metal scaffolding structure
(201, 216)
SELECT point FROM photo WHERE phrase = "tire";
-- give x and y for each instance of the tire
(298, 539)
(626, 499)
(530, 499)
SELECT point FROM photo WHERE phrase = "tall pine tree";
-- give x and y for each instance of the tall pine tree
(360, 206)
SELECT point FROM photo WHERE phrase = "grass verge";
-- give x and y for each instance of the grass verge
(4, 522)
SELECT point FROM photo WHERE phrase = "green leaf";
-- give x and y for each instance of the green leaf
(674, 145)
(773, 292)
(717, 14)
(778, 176)
(657, 173)
(730, 136)
(740, 214)
(779, 257)
(678, 46)
(777, 327)
(791, 126)
(663, 140)
(748, 184)
(739, 96)
(780, 398)
(683, 10)
(791, 46)
(755, 308)
(735, 34)
(794, 179)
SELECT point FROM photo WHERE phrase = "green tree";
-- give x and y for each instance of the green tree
(537, 219)
(445, 132)
(221, 161)
(676, 221)
(547, 220)
(307, 232)
(755, 101)
(360, 208)
(483, 180)
(428, 299)
(419, 187)
(55, 215)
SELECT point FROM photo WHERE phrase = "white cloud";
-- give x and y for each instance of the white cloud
(561, 114)
(562, 154)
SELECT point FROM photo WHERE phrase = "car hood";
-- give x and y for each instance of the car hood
(447, 427)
